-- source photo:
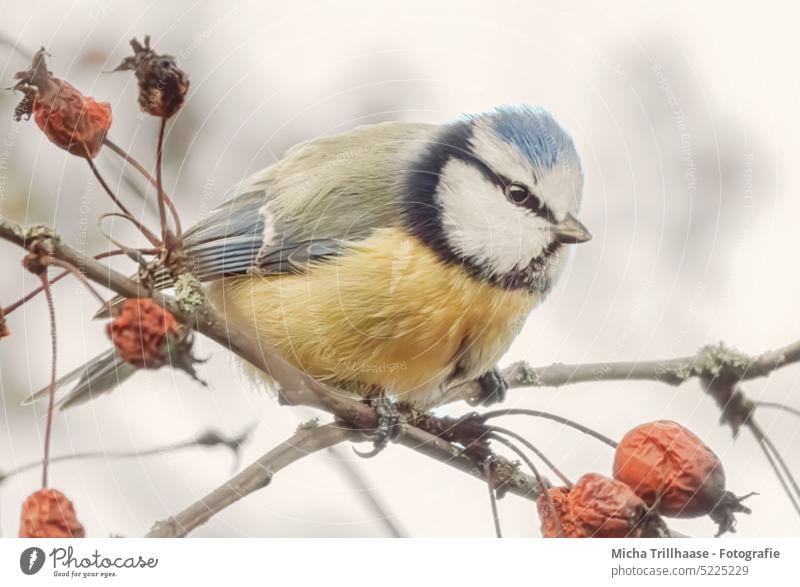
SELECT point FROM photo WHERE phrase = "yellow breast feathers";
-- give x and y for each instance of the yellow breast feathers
(388, 315)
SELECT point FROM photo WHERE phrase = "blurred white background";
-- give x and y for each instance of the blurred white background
(685, 114)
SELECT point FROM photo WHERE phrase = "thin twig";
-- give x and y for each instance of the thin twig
(547, 415)
(709, 361)
(206, 439)
(539, 479)
(498, 531)
(304, 442)
(143, 172)
(779, 406)
(147, 233)
(33, 293)
(777, 462)
(373, 501)
(51, 310)
(166, 235)
(530, 446)
(30, 295)
(70, 268)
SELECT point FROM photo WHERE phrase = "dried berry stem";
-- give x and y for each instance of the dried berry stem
(547, 415)
(778, 464)
(70, 268)
(495, 513)
(166, 234)
(779, 406)
(530, 446)
(147, 233)
(128, 158)
(539, 480)
(32, 294)
(51, 402)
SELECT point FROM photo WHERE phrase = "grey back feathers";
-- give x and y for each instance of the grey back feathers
(322, 195)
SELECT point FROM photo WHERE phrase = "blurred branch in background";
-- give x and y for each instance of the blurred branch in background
(209, 438)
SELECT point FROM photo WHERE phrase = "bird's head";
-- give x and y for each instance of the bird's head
(498, 192)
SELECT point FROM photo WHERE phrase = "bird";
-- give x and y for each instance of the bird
(394, 260)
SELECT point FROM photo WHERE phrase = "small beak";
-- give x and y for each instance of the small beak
(571, 232)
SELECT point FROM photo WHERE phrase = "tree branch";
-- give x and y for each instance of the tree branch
(307, 440)
(710, 361)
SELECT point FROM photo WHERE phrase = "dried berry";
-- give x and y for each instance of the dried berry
(596, 507)
(672, 469)
(74, 122)
(141, 333)
(162, 84)
(49, 514)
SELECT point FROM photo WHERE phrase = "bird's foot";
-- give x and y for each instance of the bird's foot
(388, 424)
(493, 388)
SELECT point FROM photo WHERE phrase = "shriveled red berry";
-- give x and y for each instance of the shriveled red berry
(49, 514)
(595, 507)
(140, 332)
(74, 122)
(670, 468)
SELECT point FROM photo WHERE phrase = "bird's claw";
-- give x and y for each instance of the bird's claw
(493, 388)
(388, 425)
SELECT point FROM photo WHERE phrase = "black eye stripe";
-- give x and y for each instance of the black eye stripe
(534, 203)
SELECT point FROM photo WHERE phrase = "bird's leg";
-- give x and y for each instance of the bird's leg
(388, 419)
(493, 388)
(388, 423)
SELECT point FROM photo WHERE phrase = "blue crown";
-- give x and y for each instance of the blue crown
(535, 133)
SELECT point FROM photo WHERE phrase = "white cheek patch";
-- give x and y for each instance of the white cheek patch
(480, 223)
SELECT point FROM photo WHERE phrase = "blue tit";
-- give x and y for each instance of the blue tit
(397, 258)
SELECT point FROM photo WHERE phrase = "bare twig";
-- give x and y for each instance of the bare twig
(33, 293)
(307, 440)
(147, 233)
(143, 172)
(370, 497)
(547, 415)
(710, 361)
(531, 447)
(70, 268)
(779, 406)
(206, 439)
(498, 530)
(53, 363)
(166, 234)
(778, 464)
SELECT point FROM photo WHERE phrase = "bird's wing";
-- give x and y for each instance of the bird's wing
(324, 194)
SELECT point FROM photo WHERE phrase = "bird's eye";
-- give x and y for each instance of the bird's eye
(518, 193)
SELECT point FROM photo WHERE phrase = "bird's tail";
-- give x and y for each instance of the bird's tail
(100, 375)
